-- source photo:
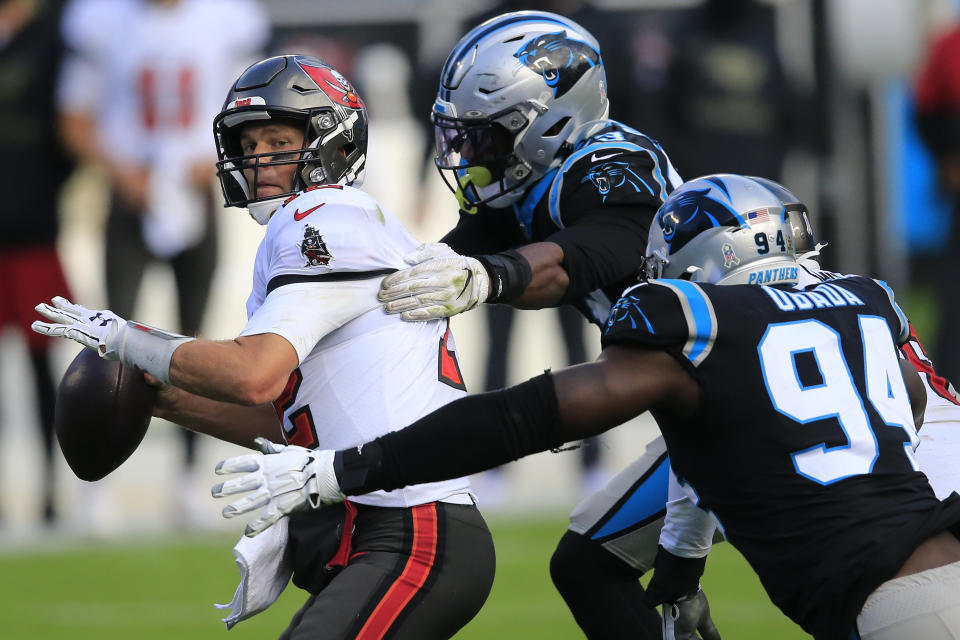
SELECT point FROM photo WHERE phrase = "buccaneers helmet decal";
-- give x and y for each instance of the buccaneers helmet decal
(332, 83)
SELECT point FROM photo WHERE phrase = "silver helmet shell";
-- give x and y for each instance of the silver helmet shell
(723, 229)
(307, 92)
(512, 93)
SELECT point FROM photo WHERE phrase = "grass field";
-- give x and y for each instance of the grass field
(153, 589)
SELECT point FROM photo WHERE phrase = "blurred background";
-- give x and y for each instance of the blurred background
(106, 159)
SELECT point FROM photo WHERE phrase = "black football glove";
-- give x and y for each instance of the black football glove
(688, 618)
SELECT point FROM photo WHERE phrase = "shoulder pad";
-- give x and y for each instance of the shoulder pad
(674, 315)
(334, 229)
(613, 165)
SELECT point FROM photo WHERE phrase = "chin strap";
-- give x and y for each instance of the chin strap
(262, 211)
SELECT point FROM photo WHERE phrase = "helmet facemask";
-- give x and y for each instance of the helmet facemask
(476, 156)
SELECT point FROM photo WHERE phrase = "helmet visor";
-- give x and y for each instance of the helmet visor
(478, 153)
(484, 143)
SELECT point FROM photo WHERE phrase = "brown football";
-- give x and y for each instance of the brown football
(102, 413)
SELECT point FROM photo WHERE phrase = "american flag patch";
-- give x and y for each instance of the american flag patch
(760, 215)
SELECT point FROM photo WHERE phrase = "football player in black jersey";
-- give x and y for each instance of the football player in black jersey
(555, 206)
(803, 419)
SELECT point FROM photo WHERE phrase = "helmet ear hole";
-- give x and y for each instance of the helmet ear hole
(556, 128)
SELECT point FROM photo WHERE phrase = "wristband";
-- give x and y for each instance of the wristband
(356, 467)
(148, 348)
(673, 577)
(509, 272)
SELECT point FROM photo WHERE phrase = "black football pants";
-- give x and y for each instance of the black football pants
(418, 573)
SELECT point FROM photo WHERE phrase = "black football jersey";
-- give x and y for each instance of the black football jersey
(597, 205)
(802, 445)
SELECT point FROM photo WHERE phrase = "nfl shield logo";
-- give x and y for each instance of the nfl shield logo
(729, 257)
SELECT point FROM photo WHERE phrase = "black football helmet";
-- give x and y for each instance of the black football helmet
(293, 89)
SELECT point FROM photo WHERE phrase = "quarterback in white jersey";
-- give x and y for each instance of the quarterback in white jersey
(361, 371)
(319, 353)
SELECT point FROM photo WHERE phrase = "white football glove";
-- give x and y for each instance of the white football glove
(689, 619)
(146, 348)
(282, 480)
(94, 329)
(441, 283)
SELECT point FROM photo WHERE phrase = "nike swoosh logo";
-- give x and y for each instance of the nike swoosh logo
(596, 158)
(300, 216)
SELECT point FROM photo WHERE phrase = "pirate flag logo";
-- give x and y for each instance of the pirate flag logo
(313, 248)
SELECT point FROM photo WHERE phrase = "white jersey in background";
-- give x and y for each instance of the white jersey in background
(940, 433)
(153, 75)
(362, 373)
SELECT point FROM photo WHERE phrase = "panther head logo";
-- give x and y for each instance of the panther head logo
(692, 213)
(612, 175)
(560, 60)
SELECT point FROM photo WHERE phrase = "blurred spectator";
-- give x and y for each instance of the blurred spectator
(383, 73)
(137, 94)
(727, 104)
(938, 120)
(34, 168)
(500, 319)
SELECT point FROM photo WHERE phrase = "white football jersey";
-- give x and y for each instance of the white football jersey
(362, 373)
(940, 432)
(155, 75)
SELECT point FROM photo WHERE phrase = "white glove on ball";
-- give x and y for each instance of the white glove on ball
(282, 480)
(94, 329)
(146, 348)
(441, 283)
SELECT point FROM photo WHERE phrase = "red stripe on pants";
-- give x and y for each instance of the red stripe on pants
(412, 578)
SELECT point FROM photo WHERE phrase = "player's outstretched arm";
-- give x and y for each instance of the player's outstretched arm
(249, 370)
(483, 431)
(239, 424)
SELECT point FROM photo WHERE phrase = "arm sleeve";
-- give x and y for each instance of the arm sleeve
(605, 246)
(488, 231)
(687, 529)
(466, 436)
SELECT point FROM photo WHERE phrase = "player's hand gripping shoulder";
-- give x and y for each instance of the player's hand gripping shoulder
(439, 284)
(281, 480)
(688, 618)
